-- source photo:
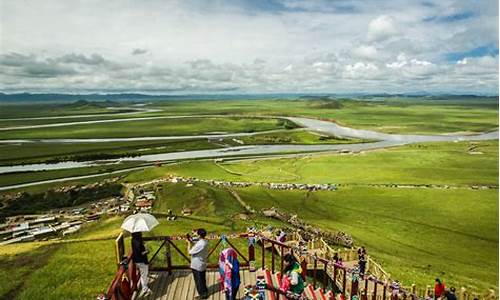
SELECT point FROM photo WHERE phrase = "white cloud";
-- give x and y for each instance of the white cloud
(195, 46)
(366, 52)
(381, 28)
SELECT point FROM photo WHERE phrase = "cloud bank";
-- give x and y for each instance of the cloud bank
(249, 46)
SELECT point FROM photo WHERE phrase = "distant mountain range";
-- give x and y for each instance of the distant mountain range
(137, 97)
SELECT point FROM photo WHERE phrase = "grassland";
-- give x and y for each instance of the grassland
(296, 137)
(415, 233)
(144, 128)
(26, 177)
(394, 115)
(429, 163)
(26, 153)
(35, 110)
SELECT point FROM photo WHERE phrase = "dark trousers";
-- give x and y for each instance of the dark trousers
(233, 297)
(200, 281)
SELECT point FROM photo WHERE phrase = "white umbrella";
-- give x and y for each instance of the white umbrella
(139, 222)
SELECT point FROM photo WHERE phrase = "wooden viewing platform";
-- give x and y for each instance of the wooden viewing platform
(180, 285)
(170, 277)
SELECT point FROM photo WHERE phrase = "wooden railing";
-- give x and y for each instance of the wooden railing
(321, 272)
(125, 282)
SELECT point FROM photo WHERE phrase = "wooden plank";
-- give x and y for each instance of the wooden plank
(187, 281)
(158, 286)
(175, 284)
(191, 288)
(213, 285)
(154, 277)
(215, 282)
(178, 288)
(168, 286)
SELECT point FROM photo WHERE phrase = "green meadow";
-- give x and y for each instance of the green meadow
(27, 153)
(416, 233)
(144, 128)
(427, 163)
(393, 115)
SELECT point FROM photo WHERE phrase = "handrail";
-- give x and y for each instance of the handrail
(331, 269)
(118, 290)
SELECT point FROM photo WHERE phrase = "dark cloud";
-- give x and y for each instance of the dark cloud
(72, 58)
(30, 66)
(139, 51)
(450, 18)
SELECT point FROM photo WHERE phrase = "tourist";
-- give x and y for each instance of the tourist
(340, 263)
(281, 236)
(395, 290)
(439, 289)
(336, 257)
(450, 294)
(199, 256)
(292, 281)
(361, 252)
(362, 265)
(429, 296)
(140, 258)
(229, 270)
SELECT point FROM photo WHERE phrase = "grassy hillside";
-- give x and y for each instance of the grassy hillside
(429, 163)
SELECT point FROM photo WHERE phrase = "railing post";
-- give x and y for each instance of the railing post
(303, 265)
(335, 274)
(326, 277)
(366, 287)
(168, 254)
(315, 270)
(263, 254)
(344, 282)
(375, 289)
(251, 252)
(384, 293)
(272, 257)
(282, 262)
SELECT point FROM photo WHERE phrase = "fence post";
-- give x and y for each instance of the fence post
(344, 282)
(251, 253)
(272, 258)
(263, 254)
(374, 289)
(325, 276)
(168, 254)
(303, 266)
(315, 270)
(281, 258)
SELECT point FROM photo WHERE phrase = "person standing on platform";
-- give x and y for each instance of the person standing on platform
(140, 258)
(199, 256)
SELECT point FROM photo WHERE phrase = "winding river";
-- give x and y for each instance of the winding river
(383, 140)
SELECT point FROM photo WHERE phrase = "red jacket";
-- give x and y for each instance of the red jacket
(439, 290)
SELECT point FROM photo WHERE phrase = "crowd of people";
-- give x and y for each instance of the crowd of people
(292, 281)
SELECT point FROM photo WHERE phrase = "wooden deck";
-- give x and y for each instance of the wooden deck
(180, 285)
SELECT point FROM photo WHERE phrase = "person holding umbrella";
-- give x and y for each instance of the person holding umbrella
(140, 258)
(136, 224)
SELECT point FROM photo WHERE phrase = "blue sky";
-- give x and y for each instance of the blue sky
(249, 46)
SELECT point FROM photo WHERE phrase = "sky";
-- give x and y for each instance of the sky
(249, 46)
